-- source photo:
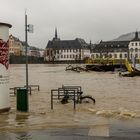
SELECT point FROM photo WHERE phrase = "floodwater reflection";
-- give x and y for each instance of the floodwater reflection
(21, 119)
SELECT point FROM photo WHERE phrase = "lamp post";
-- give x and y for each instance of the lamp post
(28, 28)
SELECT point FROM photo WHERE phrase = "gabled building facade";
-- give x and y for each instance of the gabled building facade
(66, 50)
(15, 46)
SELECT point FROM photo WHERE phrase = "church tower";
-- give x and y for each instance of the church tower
(55, 33)
(56, 36)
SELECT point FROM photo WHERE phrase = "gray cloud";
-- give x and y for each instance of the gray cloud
(89, 19)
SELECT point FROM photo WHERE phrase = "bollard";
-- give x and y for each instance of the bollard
(4, 67)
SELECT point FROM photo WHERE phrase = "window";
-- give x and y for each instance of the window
(132, 44)
(135, 44)
(136, 55)
(106, 55)
(131, 49)
(110, 55)
(97, 55)
(120, 55)
(115, 55)
(92, 55)
(101, 56)
(73, 56)
(125, 55)
(131, 55)
(136, 49)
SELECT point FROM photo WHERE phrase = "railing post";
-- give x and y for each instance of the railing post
(74, 99)
(51, 99)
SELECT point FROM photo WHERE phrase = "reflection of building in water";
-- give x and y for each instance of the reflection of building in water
(66, 50)
(21, 119)
(117, 49)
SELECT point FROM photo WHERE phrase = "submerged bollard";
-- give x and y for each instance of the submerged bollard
(4, 67)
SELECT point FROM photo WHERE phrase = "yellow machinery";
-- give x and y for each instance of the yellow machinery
(128, 66)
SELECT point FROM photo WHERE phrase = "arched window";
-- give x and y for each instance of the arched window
(131, 49)
(136, 55)
(136, 49)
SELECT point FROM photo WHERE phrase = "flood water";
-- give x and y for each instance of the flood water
(116, 98)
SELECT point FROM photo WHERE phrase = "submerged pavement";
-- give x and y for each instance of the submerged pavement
(114, 131)
(68, 134)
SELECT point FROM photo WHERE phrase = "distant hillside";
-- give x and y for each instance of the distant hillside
(126, 37)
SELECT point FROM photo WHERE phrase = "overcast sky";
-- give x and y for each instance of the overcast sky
(93, 20)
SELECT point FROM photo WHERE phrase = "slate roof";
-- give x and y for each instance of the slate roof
(111, 46)
(67, 44)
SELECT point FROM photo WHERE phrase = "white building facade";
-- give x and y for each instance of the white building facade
(117, 49)
(66, 50)
(134, 47)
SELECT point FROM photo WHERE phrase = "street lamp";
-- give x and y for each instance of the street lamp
(28, 28)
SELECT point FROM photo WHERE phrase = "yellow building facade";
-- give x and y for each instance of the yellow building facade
(15, 46)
